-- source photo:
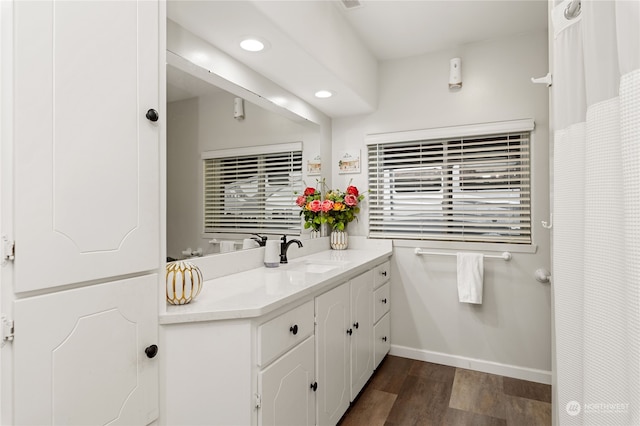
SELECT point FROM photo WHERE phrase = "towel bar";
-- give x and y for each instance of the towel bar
(504, 256)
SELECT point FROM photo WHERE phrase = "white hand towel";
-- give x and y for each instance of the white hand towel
(470, 277)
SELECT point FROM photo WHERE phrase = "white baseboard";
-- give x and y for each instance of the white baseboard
(522, 373)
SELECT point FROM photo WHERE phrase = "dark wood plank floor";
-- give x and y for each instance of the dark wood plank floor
(408, 392)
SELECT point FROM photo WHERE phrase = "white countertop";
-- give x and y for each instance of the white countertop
(259, 291)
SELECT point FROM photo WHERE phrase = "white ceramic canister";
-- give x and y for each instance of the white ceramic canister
(272, 254)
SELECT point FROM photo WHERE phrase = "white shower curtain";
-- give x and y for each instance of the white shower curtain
(596, 199)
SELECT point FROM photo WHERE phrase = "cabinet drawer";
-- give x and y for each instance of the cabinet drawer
(381, 274)
(381, 339)
(381, 302)
(284, 332)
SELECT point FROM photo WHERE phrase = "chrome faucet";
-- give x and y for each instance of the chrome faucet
(284, 246)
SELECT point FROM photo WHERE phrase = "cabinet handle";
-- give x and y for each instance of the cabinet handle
(152, 115)
(294, 329)
(384, 339)
(356, 325)
(314, 386)
(384, 273)
(151, 351)
(384, 300)
(349, 332)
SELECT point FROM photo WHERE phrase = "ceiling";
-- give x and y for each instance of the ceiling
(400, 29)
(322, 44)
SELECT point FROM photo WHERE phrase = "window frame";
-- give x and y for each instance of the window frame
(440, 238)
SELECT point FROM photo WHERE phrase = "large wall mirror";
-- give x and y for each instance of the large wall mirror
(201, 118)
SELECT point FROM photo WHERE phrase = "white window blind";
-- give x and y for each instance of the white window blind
(472, 188)
(251, 193)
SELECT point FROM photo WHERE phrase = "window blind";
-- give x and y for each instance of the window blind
(473, 188)
(253, 193)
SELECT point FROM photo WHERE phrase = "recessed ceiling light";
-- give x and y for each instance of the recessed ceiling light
(324, 94)
(252, 45)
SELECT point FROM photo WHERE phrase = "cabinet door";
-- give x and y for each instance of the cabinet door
(381, 339)
(86, 158)
(79, 355)
(287, 396)
(362, 338)
(332, 354)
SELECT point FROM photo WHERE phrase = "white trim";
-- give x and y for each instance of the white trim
(524, 125)
(253, 150)
(514, 371)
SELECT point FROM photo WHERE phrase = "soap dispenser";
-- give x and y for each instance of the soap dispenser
(272, 254)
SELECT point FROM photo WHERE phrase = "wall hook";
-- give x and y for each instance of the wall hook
(548, 225)
(543, 80)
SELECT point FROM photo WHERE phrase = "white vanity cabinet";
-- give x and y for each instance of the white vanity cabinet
(344, 347)
(240, 372)
(299, 360)
(381, 306)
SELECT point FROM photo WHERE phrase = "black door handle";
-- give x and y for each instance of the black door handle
(152, 115)
(294, 329)
(356, 325)
(384, 339)
(349, 332)
(151, 351)
(314, 386)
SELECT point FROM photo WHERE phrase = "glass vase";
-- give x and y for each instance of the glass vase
(339, 240)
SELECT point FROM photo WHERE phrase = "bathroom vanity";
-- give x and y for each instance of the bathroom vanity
(288, 345)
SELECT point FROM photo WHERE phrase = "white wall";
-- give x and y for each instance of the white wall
(510, 332)
(204, 124)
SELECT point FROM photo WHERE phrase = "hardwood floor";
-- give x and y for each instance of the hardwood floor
(408, 392)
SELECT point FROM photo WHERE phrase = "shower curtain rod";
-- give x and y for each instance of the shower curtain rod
(573, 9)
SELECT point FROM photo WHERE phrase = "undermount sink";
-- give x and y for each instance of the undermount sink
(316, 267)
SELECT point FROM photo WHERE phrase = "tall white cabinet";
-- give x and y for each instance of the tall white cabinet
(86, 164)
(85, 209)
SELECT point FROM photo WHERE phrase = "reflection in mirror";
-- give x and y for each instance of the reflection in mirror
(202, 118)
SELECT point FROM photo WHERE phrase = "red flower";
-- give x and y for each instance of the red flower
(301, 201)
(352, 190)
(309, 191)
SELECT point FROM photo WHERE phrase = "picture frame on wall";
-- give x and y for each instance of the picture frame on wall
(314, 165)
(349, 162)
